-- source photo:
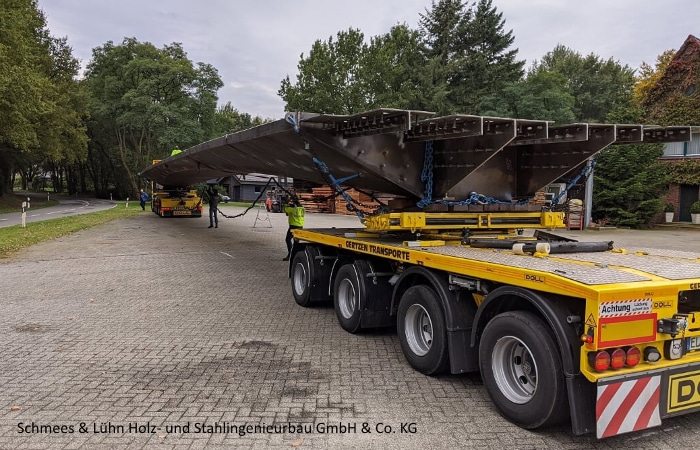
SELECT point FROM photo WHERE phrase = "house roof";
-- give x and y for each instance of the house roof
(691, 44)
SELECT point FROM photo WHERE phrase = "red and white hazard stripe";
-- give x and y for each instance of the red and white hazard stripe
(628, 406)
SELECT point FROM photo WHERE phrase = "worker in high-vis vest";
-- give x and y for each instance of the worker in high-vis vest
(295, 217)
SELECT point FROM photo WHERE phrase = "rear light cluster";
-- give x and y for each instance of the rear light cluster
(614, 358)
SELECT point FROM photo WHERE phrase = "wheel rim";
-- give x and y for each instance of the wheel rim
(347, 298)
(514, 369)
(300, 278)
(419, 330)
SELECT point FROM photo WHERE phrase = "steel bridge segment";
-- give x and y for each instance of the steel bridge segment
(384, 150)
(446, 127)
(473, 164)
(541, 163)
(378, 121)
(654, 133)
(384, 163)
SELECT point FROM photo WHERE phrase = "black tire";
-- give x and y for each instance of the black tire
(421, 329)
(521, 369)
(300, 274)
(347, 298)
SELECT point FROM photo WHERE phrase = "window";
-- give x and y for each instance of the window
(258, 189)
(683, 149)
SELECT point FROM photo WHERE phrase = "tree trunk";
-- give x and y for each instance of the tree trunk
(6, 169)
(121, 138)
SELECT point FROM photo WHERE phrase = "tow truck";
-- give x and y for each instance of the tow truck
(471, 272)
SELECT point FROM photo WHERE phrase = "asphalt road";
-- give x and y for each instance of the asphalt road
(134, 333)
(66, 207)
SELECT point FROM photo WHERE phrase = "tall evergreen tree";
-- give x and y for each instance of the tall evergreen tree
(469, 53)
(629, 181)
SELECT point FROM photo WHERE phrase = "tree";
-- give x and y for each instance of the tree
(229, 120)
(469, 53)
(23, 84)
(629, 181)
(648, 76)
(42, 108)
(145, 101)
(329, 79)
(63, 147)
(541, 96)
(629, 185)
(598, 86)
(458, 56)
(393, 68)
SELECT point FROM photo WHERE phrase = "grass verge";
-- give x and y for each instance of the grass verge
(15, 238)
(10, 203)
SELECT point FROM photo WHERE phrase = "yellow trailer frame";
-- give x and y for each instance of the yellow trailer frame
(593, 304)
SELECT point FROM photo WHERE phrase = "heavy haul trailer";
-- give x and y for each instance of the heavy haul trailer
(609, 339)
(557, 329)
(176, 201)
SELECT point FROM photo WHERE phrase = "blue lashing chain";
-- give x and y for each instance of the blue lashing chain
(336, 184)
(290, 118)
(426, 176)
(587, 170)
(474, 198)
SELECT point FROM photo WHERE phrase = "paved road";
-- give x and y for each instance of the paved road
(66, 207)
(165, 323)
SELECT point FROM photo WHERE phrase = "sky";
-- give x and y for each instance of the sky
(254, 45)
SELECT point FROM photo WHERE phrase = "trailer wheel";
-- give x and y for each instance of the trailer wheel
(421, 330)
(521, 369)
(347, 295)
(301, 278)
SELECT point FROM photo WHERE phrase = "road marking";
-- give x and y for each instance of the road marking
(224, 253)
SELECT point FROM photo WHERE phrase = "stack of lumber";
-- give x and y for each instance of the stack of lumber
(341, 206)
(319, 200)
(322, 200)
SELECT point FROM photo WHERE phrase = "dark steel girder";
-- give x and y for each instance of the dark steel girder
(383, 150)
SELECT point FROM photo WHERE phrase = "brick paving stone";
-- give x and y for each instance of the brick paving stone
(168, 323)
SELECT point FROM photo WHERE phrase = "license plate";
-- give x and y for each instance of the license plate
(182, 213)
(692, 343)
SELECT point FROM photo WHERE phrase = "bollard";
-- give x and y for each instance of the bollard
(127, 202)
(28, 204)
(24, 215)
